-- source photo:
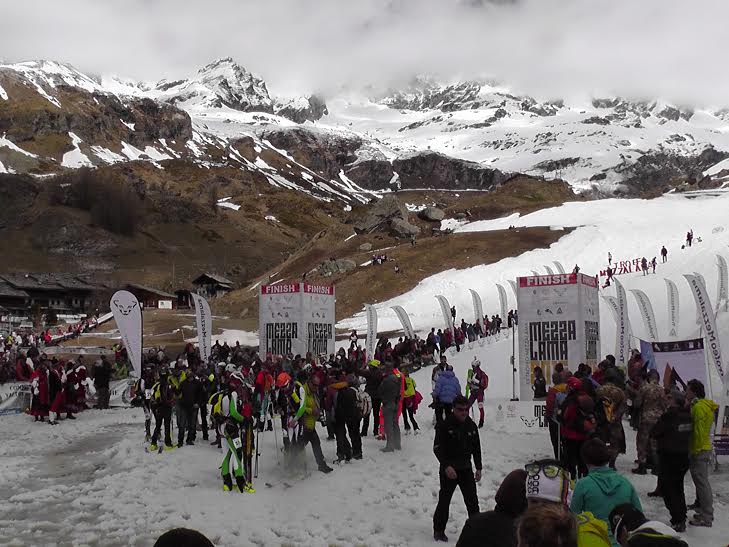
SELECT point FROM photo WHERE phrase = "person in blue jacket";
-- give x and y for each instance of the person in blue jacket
(603, 488)
(447, 388)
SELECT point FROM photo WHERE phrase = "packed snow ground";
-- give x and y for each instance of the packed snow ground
(90, 482)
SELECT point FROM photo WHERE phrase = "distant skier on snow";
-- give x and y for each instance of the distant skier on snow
(664, 254)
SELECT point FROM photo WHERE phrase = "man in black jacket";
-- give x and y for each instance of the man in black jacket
(389, 393)
(672, 432)
(347, 418)
(456, 441)
(189, 394)
(373, 376)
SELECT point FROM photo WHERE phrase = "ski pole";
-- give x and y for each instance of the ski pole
(275, 437)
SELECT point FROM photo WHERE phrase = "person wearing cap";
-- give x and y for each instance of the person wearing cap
(631, 529)
(603, 488)
(702, 414)
(476, 385)
(672, 433)
(549, 483)
(497, 528)
(456, 442)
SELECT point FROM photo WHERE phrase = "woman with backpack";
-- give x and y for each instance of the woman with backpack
(578, 423)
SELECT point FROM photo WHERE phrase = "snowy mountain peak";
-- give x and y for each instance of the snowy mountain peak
(223, 83)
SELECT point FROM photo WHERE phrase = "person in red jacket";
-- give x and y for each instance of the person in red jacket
(39, 393)
(23, 371)
(577, 424)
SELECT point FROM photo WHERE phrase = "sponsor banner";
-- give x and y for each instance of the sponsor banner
(558, 323)
(701, 279)
(646, 310)
(621, 267)
(512, 283)
(204, 323)
(722, 289)
(371, 340)
(559, 267)
(445, 309)
(517, 416)
(407, 326)
(477, 306)
(535, 273)
(296, 318)
(121, 393)
(502, 302)
(164, 304)
(613, 306)
(549, 270)
(708, 320)
(677, 361)
(624, 330)
(128, 316)
(14, 397)
(672, 292)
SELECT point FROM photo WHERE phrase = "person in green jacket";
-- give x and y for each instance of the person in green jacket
(603, 488)
(549, 483)
(702, 414)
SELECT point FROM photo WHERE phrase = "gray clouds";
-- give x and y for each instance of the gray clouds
(550, 48)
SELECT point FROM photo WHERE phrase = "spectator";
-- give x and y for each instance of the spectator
(447, 388)
(603, 488)
(539, 387)
(702, 415)
(389, 394)
(547, 526)
(183, 537)
(497, 528)
(102, 375)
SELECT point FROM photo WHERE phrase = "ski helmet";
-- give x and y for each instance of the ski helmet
(283, 380)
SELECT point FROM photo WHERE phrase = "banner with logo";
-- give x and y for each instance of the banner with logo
(549, 270)
(513, 287)
(14, 397)
(445, 309)
(407, 326)
(518, 416)
(646, 310)
(708, 321)
(128, 316)
(672, 291)
(624, 330)
(699, 319)
(677, 361)
(722, 289)
(502, 302)
(558, 323)
(204, 324)
(371, 341)
(559, 266)
(477, 306)
(318, 312)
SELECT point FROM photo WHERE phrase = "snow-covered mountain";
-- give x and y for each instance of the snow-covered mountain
(463, 135)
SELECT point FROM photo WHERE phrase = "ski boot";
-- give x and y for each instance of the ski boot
(153, 447)
(324, 468)
(248, 488)
(227, 483)
(480, 424)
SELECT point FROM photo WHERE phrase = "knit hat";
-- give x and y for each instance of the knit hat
(540, 486)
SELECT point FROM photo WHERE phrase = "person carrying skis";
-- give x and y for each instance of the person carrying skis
(476, 385)
(306, 395)
(163, 399)
(237, 430)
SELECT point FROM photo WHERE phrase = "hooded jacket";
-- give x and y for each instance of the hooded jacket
(600, 491)
(702, 413)
(655, 534)
(497, 528)
(591, 531)
(446, 387)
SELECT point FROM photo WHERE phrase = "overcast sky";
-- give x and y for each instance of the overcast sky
(675, 49)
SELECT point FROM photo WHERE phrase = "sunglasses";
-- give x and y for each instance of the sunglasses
(551, 469)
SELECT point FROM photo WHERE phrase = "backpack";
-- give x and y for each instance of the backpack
(364, 403)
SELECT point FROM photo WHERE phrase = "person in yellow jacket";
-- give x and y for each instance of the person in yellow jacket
(702, 415)
(409, 404)
(308, 414)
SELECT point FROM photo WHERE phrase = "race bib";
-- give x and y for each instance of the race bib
(237, 442)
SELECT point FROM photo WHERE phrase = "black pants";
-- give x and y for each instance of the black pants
(186, 424)
(442, 411)
(345, 450)
(376, 403)
(407, 411)
(162, 415)
(572, 459)
(554, 437)
(467, 483)
(311, 436)
(672, 472)
(203, 422)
